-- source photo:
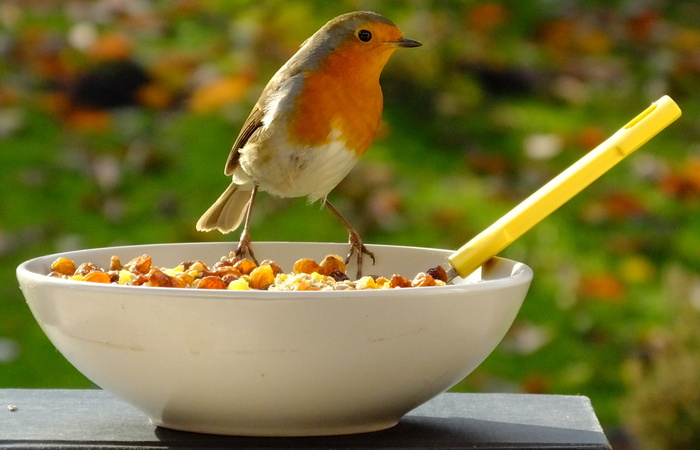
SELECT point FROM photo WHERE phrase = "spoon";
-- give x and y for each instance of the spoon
(563, 187)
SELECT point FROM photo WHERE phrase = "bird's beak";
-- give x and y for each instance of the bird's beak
(406, 42)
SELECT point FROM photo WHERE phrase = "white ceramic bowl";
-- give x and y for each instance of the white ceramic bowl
(275, 363)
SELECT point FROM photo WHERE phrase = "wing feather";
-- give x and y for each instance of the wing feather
(251, 125)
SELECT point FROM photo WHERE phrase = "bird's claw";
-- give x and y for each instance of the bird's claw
(357, 247)
(245, 247)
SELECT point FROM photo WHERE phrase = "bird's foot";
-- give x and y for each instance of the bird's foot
(245, 247)
(357, 248)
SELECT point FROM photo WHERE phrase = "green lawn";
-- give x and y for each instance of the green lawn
(501, 98)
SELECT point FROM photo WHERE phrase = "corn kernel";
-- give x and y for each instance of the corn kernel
(366, 282)
(64, 266)
(178, 282)
(383, 283)
(317, 276)
(170, 272)
(238, 285)
(197, 267)
(211, 283)
(186, 278)
(332, 263)
(124, 277)
(305, 265)
(276, 269)
(261, 277)
(245, 266)
(97, 276)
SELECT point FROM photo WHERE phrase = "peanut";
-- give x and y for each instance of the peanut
(423, 279)
(158, 278)
(141, 264)
(397, 281)
(85, 268)
(114, 263)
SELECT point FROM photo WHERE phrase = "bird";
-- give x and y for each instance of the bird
(313, 121)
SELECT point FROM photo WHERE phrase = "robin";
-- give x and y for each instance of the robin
(315, 118)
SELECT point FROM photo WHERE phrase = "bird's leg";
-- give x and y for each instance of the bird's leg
(356, 245)
(244, 244)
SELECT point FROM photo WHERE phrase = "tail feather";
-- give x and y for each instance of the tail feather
(227, 212)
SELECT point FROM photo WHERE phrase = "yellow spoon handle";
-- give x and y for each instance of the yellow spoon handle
(562, 188)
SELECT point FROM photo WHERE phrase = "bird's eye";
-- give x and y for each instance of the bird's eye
(364, 35)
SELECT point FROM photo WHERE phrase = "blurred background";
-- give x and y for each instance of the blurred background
(116, 118)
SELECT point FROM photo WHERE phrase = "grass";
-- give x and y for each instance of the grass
(449, 161)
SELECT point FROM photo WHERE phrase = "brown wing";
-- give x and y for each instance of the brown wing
(254, 121)
(251, 125)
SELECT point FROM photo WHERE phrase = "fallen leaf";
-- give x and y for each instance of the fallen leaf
(111, 46)
(605, 287)
(212, 96)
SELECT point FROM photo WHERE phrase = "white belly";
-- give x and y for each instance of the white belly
(286, 170)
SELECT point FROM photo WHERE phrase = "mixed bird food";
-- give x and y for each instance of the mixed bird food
(234, 273)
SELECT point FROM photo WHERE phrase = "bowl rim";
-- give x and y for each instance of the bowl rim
(520, 274)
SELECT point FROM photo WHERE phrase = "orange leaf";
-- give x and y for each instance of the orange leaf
(683, 182)
(604, 287)
(486, 16)
(89, 120)
(642, 25)
(111, 46)
(590, 137)
(155, 96)
(216, 94)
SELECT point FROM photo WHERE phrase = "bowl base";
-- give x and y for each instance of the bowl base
(279, 430)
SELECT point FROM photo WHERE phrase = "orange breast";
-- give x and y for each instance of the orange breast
(344, 94)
